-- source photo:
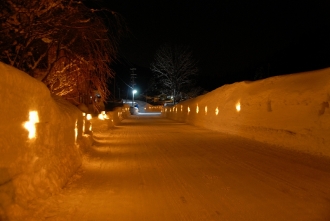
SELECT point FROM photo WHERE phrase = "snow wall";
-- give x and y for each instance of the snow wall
(290, 111)
(39, 166)
(34, 168)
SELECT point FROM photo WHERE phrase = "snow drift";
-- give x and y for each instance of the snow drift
(291, 111)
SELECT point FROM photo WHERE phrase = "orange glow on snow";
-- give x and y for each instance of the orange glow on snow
(30, 125)
(216, 111)
(181, 108)
(89, 117)
(238, 106)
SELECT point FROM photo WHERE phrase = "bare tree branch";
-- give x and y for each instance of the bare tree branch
(61, 42)
(175, 69)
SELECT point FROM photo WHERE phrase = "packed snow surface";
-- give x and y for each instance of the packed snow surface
(152, 168)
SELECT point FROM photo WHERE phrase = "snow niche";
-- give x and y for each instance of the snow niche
(290, 111)
(39, 136)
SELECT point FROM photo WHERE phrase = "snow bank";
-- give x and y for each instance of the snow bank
(105, 121)
(34, 167)
(291, 111)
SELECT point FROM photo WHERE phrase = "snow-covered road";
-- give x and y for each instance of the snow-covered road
(151, 168)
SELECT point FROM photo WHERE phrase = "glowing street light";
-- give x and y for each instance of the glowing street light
(133, 92)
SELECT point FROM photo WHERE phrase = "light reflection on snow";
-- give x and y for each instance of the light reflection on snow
(30, 125)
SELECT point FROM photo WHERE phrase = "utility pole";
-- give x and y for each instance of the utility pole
(133, 76)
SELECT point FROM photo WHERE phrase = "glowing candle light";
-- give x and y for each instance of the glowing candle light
(76, 130)
(89, 117)
(30, 125)
(217, 111)
(197, 109)
(205, 110)
(101, 116)
(238, 106)
(188, 110)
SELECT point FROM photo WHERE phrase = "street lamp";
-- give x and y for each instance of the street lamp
(133, 92)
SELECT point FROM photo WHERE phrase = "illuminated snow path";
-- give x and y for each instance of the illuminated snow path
(150, 168)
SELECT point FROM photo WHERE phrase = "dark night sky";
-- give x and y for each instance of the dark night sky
(231, 39)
